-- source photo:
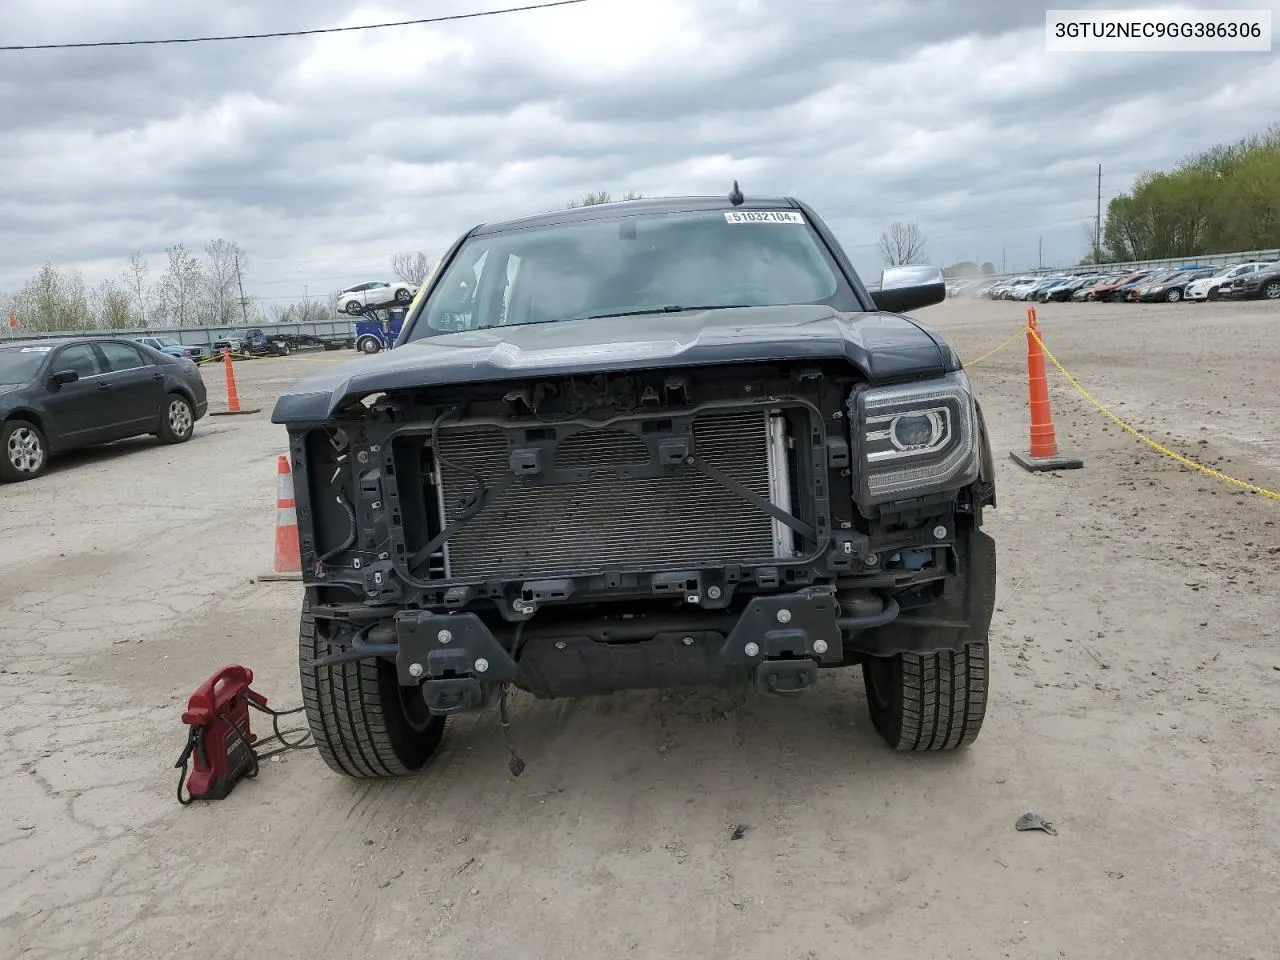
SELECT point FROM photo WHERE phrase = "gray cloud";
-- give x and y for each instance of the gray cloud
(323, 156)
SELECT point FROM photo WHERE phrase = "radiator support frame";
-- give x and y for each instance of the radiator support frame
(668, 438)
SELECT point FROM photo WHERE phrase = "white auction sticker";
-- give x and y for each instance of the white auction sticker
(763, 216)
(36, 349)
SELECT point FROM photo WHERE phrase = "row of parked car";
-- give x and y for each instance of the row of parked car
(1252, 280)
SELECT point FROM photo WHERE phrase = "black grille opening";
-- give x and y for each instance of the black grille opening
(678, 520)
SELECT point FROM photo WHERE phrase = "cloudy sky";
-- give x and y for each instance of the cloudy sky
(323, 156)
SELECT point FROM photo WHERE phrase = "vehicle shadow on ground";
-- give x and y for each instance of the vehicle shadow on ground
(118, 450)
(729, 750)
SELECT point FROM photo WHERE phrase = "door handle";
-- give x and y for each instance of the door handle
(103, 385)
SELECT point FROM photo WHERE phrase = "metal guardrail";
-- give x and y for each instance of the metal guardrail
(203, 337)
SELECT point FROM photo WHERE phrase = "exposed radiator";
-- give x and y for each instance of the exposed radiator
(672, 522)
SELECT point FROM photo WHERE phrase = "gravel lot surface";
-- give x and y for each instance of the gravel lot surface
(1136, 691)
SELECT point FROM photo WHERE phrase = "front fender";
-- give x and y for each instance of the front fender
(985, 488)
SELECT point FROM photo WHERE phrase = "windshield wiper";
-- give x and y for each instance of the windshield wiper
(669, 308)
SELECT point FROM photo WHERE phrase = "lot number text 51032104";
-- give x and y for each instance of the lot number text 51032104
(763, 216)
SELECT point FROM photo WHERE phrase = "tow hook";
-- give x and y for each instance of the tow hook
(454, 657)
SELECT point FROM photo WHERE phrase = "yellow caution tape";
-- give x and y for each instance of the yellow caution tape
(1158, 447)
(992, 353)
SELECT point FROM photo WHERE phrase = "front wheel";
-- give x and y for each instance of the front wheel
(937, 699)
(928, 702)
(364, 723)
(403, 295)
(354, 307)
(1173, 296)
(24, 451)
(369, 345)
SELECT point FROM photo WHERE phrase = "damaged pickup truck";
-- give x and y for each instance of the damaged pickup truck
(643, 445)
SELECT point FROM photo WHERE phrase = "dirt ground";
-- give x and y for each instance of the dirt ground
(1136, 691)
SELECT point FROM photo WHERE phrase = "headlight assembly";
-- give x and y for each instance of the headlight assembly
(915, 439)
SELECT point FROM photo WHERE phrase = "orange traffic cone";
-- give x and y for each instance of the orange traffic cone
(233, 397)
(1044, 454)
(288, 563)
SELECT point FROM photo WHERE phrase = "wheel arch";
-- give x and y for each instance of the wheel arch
(37, 420)
(182, 390)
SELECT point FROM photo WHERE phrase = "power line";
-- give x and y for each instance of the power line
(292, 33)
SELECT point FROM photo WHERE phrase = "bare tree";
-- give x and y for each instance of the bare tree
(411, 267)
(224, 264)
(902, 244)
(591, 199)
(137, 281)
(179, 290)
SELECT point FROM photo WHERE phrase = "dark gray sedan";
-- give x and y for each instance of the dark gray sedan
(59, 395)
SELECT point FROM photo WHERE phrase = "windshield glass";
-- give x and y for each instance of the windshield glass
(631, 265)
(19, 364)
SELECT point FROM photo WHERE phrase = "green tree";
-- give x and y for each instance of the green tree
(113, 307)
(1222, 200)
(179, 292)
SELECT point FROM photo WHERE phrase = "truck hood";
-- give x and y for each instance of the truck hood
(883, 347)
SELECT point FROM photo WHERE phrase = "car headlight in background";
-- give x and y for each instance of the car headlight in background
(915, 439)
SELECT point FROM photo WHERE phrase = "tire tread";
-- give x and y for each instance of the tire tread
(347, 708)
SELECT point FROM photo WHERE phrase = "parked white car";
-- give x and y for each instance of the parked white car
(376, 294)
(1208, 288)
(1020, 291)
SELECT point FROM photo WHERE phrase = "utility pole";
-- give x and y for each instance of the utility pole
(244, 306)
(1097, 223)
(1002, 261)
(1040, 256)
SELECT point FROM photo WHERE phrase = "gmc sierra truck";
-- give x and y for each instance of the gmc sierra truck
(661, 443)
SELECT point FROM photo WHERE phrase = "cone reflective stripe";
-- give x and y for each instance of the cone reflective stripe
(288, 562)
(233, 395)
(1043, 454)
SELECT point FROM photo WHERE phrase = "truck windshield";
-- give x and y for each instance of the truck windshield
(634, 265)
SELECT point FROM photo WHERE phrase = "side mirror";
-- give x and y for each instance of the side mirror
(909, 288)
(63, 377)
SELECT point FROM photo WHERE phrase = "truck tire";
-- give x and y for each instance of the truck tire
(928, 702)
(369, 345)
(937, 700)
(364, 723)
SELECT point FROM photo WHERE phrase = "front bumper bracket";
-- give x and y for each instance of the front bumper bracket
(455, 658)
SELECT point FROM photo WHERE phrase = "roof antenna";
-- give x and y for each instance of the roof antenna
(735, 195)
